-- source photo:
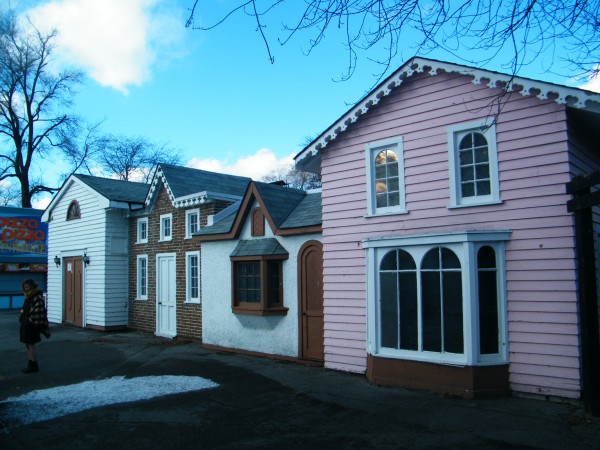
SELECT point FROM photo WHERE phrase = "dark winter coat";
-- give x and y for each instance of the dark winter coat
(34, 318)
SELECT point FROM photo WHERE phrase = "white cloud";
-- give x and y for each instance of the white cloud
(42, 201)
(592, 85)
(115, 41)
(255, 166)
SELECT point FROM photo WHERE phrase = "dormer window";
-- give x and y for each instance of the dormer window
(73, 212)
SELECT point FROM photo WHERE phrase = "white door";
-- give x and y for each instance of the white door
(166, 317)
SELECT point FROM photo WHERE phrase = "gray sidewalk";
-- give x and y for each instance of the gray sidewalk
(259, 403)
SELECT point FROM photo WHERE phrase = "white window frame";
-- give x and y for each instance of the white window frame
(371, 151)
(465, 245)
(141, 282)
(163, 219)
(188, 217)
(140, 224)
(188, 277)
(455, 132)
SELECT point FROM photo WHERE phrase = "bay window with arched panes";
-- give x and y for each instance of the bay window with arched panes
(438, 298)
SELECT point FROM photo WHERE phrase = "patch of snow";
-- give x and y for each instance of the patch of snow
(46, 404)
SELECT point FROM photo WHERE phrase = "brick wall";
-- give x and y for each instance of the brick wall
(142, 313)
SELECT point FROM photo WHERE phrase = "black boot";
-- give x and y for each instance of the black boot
(32, 366)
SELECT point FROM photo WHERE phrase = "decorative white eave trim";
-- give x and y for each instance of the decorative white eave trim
(189, 200)
(572, 97)
(198, 198)
(158, 177)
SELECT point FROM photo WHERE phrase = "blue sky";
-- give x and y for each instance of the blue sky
(212, 94)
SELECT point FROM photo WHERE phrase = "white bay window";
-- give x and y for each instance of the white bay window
(438, 298)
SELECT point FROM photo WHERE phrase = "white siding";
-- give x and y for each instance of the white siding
(105, 278)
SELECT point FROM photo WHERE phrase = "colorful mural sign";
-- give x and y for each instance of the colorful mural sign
(22, 236)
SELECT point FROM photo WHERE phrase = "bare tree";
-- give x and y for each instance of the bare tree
(293, 178)
(515, 33)
(133, 158)
(33, 99)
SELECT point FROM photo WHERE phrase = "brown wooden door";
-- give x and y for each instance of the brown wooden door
(310, 280)
(73, 290)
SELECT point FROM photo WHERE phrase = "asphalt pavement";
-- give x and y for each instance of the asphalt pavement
(258, 403)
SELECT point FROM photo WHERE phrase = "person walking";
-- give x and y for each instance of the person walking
(33, 320)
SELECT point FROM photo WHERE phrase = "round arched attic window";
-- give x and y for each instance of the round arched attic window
(73, 212)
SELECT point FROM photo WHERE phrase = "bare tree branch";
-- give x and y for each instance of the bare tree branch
(31, 98)
(133, 158)
(515, 33)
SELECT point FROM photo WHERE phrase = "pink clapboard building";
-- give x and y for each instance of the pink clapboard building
(449, 253)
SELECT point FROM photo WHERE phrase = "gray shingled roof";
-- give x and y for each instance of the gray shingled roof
(259, 247)
(307, 213)
(279, 201)
(185, 181)
(116, 190)
(289, 208)
(222, 226)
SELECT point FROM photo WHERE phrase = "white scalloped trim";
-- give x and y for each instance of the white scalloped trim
(573, 97)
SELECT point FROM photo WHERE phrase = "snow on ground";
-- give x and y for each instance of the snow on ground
(46, 404)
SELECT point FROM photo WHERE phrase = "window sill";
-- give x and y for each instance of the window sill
(191, 302)
(387, 213)
(141, 299)
(141, 242)
(469, 205)
(282, 311)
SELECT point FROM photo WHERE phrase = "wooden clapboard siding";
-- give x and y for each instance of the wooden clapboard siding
(533, 169)
(72, 238)
(105, 278)
(117, 270)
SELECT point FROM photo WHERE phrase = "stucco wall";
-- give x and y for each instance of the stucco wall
(276, 335)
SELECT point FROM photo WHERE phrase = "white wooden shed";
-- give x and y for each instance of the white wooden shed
(88, 251)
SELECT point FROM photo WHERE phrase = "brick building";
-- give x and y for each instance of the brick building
(164, 260)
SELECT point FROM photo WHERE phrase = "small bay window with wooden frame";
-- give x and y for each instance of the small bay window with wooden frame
(257, 278)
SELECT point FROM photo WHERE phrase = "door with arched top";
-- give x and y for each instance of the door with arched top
(310, 299)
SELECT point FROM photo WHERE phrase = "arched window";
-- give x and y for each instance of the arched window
(439, 300)
(442, 301)
(441, 288)
(387, 182)
(385, 177)
(474, 164)
(73, 212)
(398, 301)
